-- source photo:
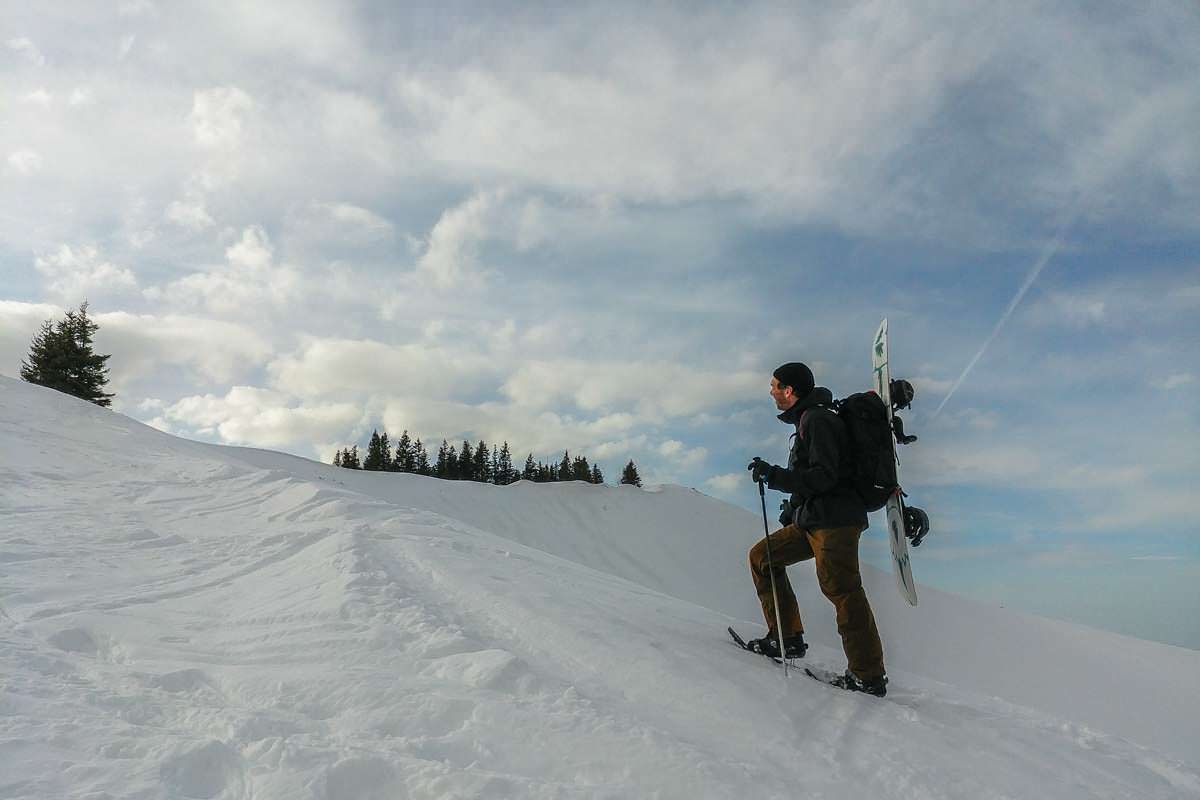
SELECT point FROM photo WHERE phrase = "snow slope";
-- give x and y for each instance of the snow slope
(183, 620)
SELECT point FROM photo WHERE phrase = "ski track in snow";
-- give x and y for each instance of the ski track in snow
(179, 621)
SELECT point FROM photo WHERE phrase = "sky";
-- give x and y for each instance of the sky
(598, 228)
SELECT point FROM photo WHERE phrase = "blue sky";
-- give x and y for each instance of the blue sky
(600, 229)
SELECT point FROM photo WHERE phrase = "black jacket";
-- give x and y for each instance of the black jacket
(819, 471)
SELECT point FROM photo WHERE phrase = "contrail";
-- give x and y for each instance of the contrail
(1047, 254)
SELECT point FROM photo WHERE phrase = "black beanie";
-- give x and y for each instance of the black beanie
(796, 375)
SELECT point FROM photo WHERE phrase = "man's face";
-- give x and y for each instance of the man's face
(783, 396)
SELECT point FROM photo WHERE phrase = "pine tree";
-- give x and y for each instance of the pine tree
(350, 459)
(497, 478)
(530, 473)
(597, 475)
(580, 469)
(422, 461)
(507, 474)
(374, 458)
(337, 458)
(452, 466)
(442, 465)
(405, 461)
(385, 452)
(481, 468)
(564, 467)
(630, 475)
(61, 357)
(466, 462)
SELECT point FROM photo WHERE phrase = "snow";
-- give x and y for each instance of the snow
(184, 620)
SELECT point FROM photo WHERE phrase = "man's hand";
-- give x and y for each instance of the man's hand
(760, 470)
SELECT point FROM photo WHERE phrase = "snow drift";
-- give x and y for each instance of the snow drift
(184, 620)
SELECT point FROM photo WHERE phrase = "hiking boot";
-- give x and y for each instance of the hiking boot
(793, 646)
(873, 686)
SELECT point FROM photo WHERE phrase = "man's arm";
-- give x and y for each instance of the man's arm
(820, 476)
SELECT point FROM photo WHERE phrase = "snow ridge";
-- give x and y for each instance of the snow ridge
(182, 620)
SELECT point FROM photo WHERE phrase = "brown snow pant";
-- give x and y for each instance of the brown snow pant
(835, 551)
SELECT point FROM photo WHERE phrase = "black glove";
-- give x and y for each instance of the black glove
(786, 512)
(760, 470)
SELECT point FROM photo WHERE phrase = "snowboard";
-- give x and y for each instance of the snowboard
(895, 504)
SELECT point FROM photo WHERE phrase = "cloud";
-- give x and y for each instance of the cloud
(75, 273)
(247, 283)
(143, 345)
(652, 389)
(726, 482)
(28, 49)
(680, 455)
(38, 97)
(25, 161)
(1176, 380)
(332, 367)
(219, 115)
(338, 223)
(190, 213)
(450, 256)
(263, 418)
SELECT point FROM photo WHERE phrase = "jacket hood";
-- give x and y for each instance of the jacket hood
(819, 396)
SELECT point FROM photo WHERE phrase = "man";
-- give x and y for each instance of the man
(822, 520)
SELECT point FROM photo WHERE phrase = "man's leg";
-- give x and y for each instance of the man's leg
(836, 552)
(788, 545)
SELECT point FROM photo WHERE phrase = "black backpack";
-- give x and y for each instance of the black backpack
(871, 450)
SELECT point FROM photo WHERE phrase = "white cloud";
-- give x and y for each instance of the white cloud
(25, 161)
(219, 116)
(28, 49)
(680, 455)
(75, 273)
(81, 96)
(1176, 380)
(653, 389)
(247, 283)
(142, 345)
(450, 256)
(339, 223)
(190, 213)
(38, 97)
(726, 482)
(330, 367)
(263, 418)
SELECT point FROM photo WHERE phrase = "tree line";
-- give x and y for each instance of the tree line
(471, 462)
(61, 357)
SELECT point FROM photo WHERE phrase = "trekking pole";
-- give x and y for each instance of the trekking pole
(762, 494)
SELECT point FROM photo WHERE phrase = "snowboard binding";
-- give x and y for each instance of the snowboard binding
(902, 393)
(916, 524)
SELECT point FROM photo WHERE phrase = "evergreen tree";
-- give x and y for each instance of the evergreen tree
(350, 459)
(61, 357)
(422, 460)
(497, 478)
(466, 462)
(597, 475)
(564, 467)
(442, 465)
(374, 458)
(385, 450)
(580, 469)
(337, 458)
(481, 468)
(452, 466)
(630, 475)
(507, 474)
(405, 458)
